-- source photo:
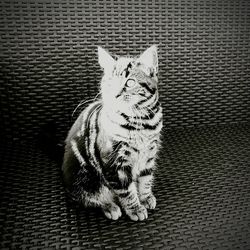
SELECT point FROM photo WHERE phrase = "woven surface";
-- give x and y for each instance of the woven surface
(202, 187)
(48, 64)
(48, 58)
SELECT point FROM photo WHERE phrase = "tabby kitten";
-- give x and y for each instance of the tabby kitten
(110, 150)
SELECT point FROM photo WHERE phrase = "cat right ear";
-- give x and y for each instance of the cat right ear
(105, 60)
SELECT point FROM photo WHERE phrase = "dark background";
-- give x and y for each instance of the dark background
(48, 64)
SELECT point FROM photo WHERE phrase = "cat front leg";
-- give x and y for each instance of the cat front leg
(130, 202)
(125, 187)
(110, 209)
(145, 183)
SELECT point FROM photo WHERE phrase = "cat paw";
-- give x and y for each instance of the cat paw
(112, 212)
(149, 202)
(140, 213)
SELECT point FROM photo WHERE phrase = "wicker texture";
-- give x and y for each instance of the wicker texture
(49, 63)
(202, 187)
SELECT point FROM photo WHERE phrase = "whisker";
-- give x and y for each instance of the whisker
(151, 111)
(84, 102)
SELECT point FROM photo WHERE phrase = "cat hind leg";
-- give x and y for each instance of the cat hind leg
(105, 200)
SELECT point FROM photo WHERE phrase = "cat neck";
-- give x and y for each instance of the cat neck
(110, 125)
(116, 126)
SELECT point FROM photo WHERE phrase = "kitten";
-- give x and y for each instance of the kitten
(110, 150)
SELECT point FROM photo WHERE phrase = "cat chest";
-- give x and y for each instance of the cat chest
(143, 157)
(137, 151)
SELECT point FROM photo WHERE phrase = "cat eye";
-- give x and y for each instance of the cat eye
(130, 83)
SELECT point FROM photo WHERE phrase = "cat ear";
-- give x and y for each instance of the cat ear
(105, 60)
(150, 58)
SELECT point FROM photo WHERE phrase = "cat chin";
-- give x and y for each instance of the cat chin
(117, 110)
(117, 105)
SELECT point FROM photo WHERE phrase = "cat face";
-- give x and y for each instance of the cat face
(128, 82)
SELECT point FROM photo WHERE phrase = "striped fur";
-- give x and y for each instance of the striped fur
(111, 149)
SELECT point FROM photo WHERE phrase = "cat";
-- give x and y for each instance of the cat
(111, 149)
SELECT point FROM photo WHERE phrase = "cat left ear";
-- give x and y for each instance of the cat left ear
(150, 58)
(105, 60)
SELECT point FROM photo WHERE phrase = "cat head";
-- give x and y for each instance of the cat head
(128, 82)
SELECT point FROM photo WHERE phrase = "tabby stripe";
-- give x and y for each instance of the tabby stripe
(92, 137)
(125, 176)
(80, 143)
(97, 151)
(155, 105)
(149, 124)
(157, 117)
(155, 141)
(145, 85)
(146, 122)
(87, 114)
(133, 202)
(152, 127)
(149, 116)
(128, 69)
(148, 99)
(120, 93)
(127, 169)
(145, 117)
(89, 139)
(139, 126)
(145, 172)
(95, 145)
(132, 196)
(86, 126)
(150, 160)
(120, 158)
(131, 189)
(77, 153)
(130, 147)
(125, 116)
(151, 103)
(124, 195)
(128, 127)
(87, 129)
(152, 113)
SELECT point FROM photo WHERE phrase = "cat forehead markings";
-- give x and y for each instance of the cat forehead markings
(129, 66)
(124, 63)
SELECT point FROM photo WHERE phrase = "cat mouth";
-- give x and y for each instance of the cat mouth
(127, 98)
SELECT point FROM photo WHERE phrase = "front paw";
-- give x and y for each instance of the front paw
(139, 213)
(112, 212)
(149, 202)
